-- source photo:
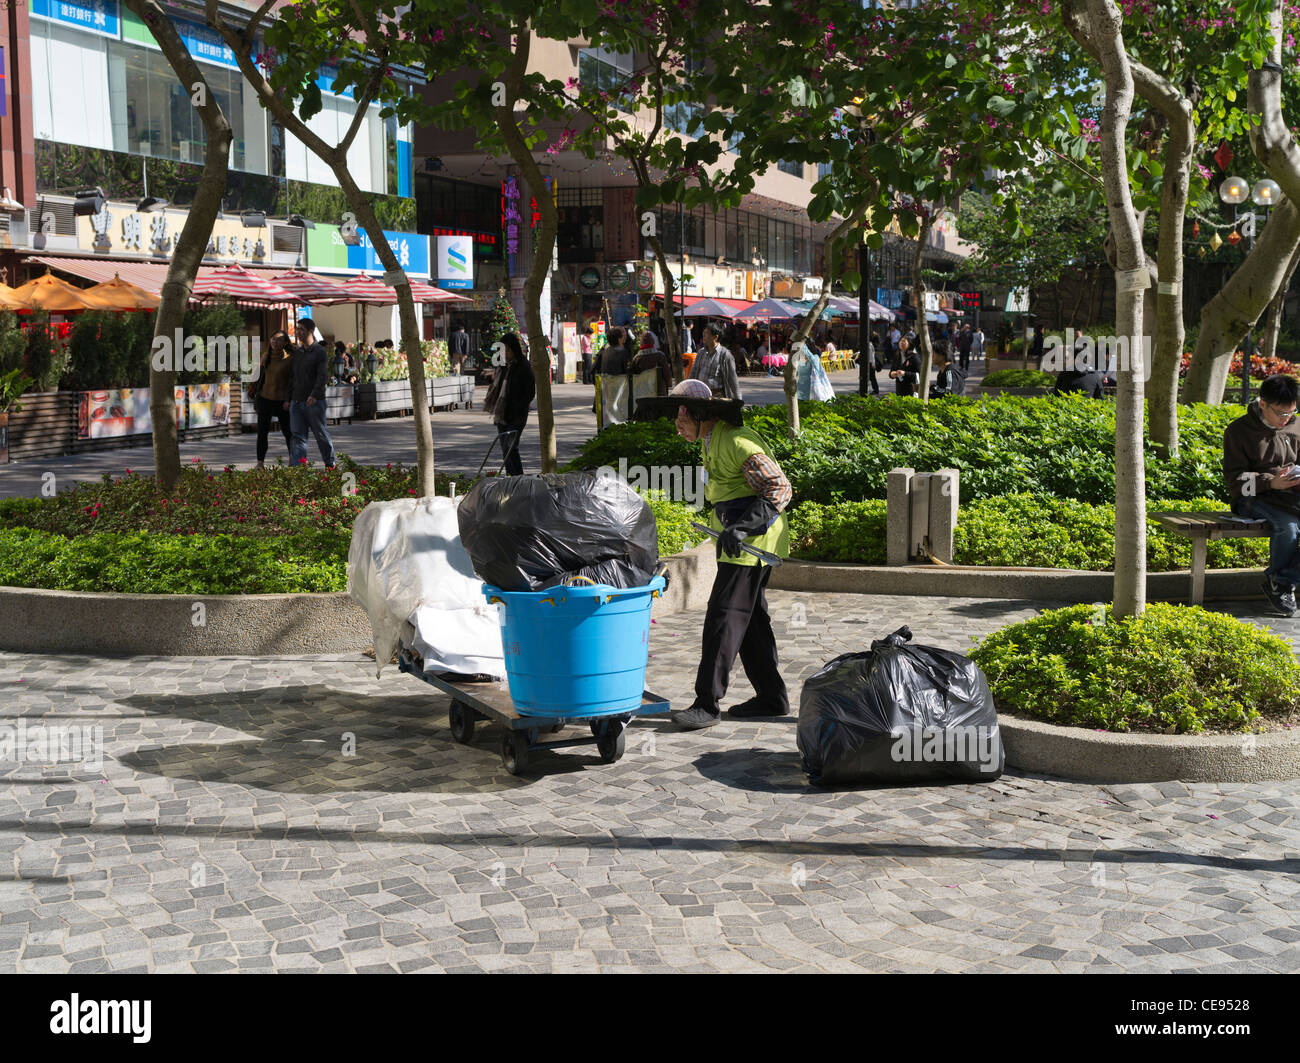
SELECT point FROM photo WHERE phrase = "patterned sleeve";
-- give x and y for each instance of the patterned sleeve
(768, 481)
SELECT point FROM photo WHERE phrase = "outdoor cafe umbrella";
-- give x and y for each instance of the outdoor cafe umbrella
(51, 293)
(768, 310)
(7, 301)
(315, 290)
(710, 308)
(244, 288)
(118, 294)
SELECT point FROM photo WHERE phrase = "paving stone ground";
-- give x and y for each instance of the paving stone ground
(225, 831)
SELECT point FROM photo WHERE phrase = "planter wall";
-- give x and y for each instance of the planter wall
(452, 391)
(394, 396)
(339, 406)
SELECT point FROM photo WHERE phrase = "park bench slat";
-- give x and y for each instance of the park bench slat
(1201, 527)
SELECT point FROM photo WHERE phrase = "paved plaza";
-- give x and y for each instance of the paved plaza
(226, 831)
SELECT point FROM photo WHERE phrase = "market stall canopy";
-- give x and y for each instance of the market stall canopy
(244, 288)
(374, 292)
(710, 308)
(769, 310)
(118, 294)
(51, 293)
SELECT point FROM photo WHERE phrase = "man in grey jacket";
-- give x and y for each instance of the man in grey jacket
(307, 400)
(715, 366)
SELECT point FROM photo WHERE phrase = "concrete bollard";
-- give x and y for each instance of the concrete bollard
(944, 486)
(920, 506)
(898, 535)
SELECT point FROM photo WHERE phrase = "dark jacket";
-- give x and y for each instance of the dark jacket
(310, 373)
(518, 388)
(911, 367)
(611, 360)
(1091, 384)
(1249, 445)
(653, 358)
(460, 342)
(948, 381)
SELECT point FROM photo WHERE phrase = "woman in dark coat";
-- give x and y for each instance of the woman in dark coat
(508, 399)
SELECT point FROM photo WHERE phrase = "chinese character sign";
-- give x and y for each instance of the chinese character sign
(510, 217)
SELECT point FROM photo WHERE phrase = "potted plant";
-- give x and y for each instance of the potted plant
(12, 384)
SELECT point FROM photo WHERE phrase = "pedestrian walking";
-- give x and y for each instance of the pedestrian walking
(459, 348)
(584, 346)
(270, 393)
(907, 369)
(715, 366)
(867, 381)
(508, 400)
(977, 343)
(749, 493)
(964, 344)
(310, 366)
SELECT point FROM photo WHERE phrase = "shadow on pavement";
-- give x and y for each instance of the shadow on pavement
(298, 736)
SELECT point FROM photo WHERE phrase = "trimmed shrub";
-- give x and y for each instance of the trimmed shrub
(1018, 378)
(1175, 669)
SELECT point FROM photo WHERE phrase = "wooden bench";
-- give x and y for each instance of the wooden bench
(1201, 528)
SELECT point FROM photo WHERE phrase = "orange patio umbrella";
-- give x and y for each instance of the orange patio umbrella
(118, 294)
(7, 300)
(50, 293)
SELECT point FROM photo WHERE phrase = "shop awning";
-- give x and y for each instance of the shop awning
(147, 275)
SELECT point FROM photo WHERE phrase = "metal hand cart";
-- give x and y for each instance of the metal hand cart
(475, 701)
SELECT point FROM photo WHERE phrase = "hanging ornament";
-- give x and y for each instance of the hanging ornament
(1202, 251)
(1196, 228)
(1216, 242)
(1223, 156)
(1234, 238)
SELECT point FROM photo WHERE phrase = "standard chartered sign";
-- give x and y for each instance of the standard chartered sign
(455, 262)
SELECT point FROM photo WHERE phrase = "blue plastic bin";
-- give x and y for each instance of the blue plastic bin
(576, 651)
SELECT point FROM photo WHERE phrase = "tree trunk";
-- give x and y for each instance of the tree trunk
(193, 240)
(1238, 304)
(541, 264)
(1131, 279)
(670, 324)
(918, 297)
(1268, 348)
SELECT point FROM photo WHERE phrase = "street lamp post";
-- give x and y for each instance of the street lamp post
(1265, 194)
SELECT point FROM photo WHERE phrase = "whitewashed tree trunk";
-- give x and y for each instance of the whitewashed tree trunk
(1131, 279)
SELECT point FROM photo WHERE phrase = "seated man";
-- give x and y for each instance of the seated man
(1260, 451)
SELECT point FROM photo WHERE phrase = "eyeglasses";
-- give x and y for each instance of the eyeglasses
(1278, 409)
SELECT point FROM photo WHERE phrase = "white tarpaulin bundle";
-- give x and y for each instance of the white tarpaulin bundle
(406, 563)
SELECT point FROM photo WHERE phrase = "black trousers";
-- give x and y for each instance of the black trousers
(510, 446)
(737, 622)
(867, 378)
(965, 359)
(267, 411)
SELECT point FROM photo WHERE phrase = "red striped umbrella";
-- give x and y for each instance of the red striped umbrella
(316, 290)
(369, 290)
(244, 288)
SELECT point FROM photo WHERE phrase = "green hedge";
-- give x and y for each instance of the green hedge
(1175, 669)
(1018, 378)
(1054, 446)
(1017, 530)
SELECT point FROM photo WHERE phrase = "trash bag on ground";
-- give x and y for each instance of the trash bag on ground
(406, 564)
(899, 714)
(528, 533)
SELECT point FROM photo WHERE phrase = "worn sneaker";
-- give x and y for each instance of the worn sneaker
(753, 707)
(695, 718)
(1281, 596)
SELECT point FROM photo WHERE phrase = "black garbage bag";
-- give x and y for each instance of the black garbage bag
(899, 714)
(527, 533)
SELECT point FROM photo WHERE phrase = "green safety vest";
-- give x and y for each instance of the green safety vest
(725, 451)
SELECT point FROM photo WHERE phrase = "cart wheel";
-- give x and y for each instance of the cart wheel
(514, 752)
(611, 740)
(461, 718)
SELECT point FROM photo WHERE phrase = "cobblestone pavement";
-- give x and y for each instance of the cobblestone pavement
(226, 832)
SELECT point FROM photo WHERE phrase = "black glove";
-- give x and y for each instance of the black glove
(754, 517)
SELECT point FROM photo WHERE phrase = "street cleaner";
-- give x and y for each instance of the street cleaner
(749, 493)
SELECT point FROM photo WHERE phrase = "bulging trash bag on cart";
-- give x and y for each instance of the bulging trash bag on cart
(407, 565)
(528, 533)
(899, 714)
